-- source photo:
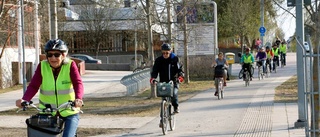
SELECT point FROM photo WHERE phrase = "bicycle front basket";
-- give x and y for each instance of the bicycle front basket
(165, 89)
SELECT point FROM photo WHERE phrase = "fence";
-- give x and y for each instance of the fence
(311, 89)
(137, 81)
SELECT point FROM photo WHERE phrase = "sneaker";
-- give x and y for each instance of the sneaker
(176, 110)
(251, 79)
(224, 84)
(216, 93)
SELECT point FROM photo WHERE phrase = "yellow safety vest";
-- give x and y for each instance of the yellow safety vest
(275, 52)
(269, 55)
(247, 59)
(56, 92)
(283, 48)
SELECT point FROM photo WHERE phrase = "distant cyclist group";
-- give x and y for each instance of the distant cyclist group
(269, 58)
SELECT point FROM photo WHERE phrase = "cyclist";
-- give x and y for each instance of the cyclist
(269, 57)
(275, 51)
(221, 61)
(246, 61)
(283, 52)
(261, 57)
(168, 68)
(59, 81)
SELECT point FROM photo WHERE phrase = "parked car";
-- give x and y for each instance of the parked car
(86, 58)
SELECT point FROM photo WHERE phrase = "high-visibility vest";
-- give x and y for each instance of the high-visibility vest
(56, 92)
(269, 55)
(247, 59)
(283, 48)
(275, 52)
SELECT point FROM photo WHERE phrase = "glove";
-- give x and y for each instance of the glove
(152, 80)
(180, 79)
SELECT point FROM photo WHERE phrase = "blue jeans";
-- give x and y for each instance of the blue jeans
(174, 99)
(70, 125)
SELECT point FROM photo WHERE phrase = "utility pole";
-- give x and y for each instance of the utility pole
(185, 42)
(21, 45)
(262, 19)
(169, 21)
(150, 46)
(300, 68)
(53, 22)
(36, 33)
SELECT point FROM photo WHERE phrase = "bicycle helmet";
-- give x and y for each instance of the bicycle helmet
(248, 49)
(57, 45)
(165, 46)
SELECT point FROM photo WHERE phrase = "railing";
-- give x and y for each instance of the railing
(137, 81)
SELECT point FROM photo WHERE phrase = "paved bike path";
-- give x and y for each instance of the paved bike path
(245, 111)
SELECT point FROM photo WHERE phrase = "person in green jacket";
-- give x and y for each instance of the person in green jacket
(283, 52)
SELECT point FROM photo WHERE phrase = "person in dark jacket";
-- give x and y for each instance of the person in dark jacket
(168, 68)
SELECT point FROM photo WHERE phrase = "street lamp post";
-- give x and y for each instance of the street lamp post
(134, 4)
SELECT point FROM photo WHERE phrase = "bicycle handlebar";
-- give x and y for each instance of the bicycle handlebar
(48, 108)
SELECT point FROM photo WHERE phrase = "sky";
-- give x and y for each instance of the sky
(286, 21)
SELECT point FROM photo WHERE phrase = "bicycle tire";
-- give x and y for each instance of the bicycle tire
(164, 117)
(220, 84)
(247, 80)
(172, 119)
(240, 74)
(252, 70)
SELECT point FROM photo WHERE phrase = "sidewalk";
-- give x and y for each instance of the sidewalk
(260, 118)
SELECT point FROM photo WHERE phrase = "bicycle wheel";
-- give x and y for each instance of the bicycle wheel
(240, 74)
(268, 72)
(221, 91)
(259, 73)
(164, 117)
(220, 88)
(252, 70)
(172, 120)
(247, 80)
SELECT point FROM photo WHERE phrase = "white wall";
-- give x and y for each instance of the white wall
(12, 55)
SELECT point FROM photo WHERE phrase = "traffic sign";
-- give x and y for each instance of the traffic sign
(261, 34)
(262, 29)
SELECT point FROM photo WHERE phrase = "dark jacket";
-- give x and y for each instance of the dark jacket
(168, 69)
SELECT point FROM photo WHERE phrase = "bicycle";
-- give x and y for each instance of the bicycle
(44, 124)
(241, 72)
(282, 56)
(219, 72)
(268, 66)
(165, 90)
(260, 70)
(142, 67)
(275, 63)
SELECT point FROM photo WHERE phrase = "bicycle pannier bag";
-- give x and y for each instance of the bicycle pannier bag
(165, 89)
